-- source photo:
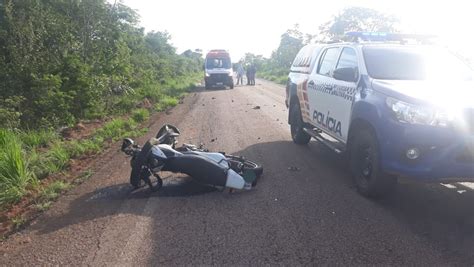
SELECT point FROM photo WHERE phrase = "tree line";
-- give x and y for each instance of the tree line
(65, 60)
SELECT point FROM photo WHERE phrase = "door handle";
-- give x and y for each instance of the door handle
(311, 83)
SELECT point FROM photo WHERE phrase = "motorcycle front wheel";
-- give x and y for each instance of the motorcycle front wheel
(240, 164)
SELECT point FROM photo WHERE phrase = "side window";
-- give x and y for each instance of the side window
(348, 59)
(328, 60)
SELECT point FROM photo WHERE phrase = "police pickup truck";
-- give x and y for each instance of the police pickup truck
(396, 108)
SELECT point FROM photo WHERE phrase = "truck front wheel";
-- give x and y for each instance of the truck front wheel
(364, 162)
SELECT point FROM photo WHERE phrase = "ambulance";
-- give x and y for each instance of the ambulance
(218, 69)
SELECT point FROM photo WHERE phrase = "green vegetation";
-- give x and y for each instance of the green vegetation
(66, 61)
(22, 165)
(140, 115)
(40, 138)
(18, 222)
(53, 190)
(61, 61)
(277, 67)
(49, 193)
(15, 175)
(165, 103)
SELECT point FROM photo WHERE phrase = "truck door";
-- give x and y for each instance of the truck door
(330, 99)
(320, 85)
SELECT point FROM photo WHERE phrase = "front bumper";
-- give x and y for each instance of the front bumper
(220, 78)
(446, 154)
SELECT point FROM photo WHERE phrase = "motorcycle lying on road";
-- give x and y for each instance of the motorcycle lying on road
(210, 168)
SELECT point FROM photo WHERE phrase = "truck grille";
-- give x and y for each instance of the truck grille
(220, 77)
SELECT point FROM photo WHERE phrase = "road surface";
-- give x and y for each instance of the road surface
(304, 215)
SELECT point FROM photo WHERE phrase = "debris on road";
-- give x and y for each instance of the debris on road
(213, 139)
(293, 168)
(203, 105)
(256, 107)
(213, 98)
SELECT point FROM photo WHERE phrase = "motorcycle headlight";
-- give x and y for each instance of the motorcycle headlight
(409, 113)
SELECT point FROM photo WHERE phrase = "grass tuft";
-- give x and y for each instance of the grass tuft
(53, 190)
(15, 175)
(140, 115)
(166, 102)
(41, 138)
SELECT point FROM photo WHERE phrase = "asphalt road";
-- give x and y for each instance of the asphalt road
(306, 215)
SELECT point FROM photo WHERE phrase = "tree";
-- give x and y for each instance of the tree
(290, 43)
(65, 60)
(252, 59)
(357, 19)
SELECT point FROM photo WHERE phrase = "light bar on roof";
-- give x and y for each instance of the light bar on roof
(384, 36)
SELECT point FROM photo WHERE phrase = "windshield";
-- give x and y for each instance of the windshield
(414, 63)
(218, 63)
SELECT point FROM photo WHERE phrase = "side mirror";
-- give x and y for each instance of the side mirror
(345, 74)
(126, 143)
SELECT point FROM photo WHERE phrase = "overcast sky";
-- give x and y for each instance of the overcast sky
(255, 26)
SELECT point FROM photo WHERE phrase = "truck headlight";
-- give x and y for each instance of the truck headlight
(409, 113)
(207, 74)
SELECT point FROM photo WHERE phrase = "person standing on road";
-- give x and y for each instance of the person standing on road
(252, 70)
(240, 74)
(248, 74)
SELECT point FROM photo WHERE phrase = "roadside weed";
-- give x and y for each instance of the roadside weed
(53, 190)
(140, 115)
(15, 175)
(18, 222)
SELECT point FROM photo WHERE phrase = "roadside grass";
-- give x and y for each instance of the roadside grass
(140, 115)
(15, 174)
(53, 190)
(166, 102)
(41, 138)
(84, 176)
(18, 222)
(279, 76)
(23, 165)
(27, 157)
(50, 193)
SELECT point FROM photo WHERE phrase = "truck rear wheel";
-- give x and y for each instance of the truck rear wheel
(298, 134)
(364, 162)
